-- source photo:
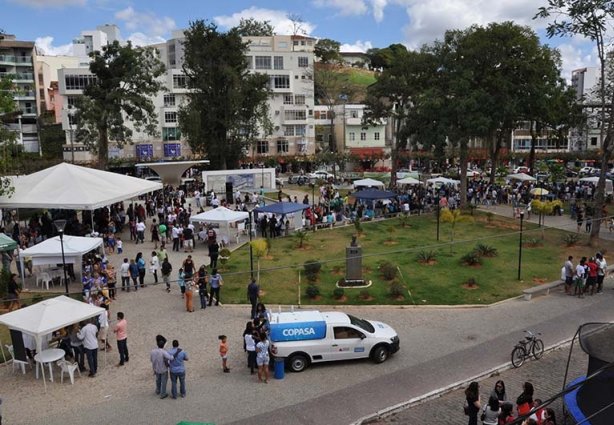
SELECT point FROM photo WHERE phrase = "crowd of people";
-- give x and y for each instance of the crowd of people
(500, 410)
(586, 277)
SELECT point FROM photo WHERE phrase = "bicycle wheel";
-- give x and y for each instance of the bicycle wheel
(518, 356)
(538, 349)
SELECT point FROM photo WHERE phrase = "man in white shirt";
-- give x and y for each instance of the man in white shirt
(175, 236)
(124, 271)
(197, 198)
(90, 344)
(140, 232)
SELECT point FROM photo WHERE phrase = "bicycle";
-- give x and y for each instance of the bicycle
(530, 345)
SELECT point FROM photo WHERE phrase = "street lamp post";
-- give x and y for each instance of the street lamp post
(251, 254)
(520, 244)
(60, 225)
(438, 211)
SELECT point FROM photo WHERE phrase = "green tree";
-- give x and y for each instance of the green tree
(327, 50)
(226, 108)
(392, 97)
(7, 137)
(590, 19)
(126, 80)
(252, 27)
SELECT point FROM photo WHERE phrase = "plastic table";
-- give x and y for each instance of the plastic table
(48, 356)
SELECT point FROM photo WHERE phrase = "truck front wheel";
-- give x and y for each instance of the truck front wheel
(380, 354)
(298, 363)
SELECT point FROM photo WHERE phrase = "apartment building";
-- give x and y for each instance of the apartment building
(584, 81)
(17, 60)
(288, 61)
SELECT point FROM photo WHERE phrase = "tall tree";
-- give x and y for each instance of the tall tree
(327, 50)
(227, 106)
(252, 27)
(332, 87)
(590, 19)
(7, 137)
(126, 80)
(393, 95)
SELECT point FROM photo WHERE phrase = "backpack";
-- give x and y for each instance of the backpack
(166, 268)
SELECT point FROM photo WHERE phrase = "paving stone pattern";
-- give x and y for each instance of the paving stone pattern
(546, 375)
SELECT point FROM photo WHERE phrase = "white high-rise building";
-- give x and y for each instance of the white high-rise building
(585, 82)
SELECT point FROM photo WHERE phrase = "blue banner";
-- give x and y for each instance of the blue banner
(298, 331)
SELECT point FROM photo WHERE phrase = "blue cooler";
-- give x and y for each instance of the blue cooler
(279, 367)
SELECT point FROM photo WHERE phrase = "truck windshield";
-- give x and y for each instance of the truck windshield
(361, 323)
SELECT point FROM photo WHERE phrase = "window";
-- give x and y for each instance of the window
(72, 121)
(262, 146)
(288, 99)
(78, 82)
(180, 81)
(342, 332)
(303, 61)
(278, 62)
(249, 60)
(170, 133)
(299, 99)
(352, 136)
(282, 45)
(280, 81)
(593, 141)
(294, 115)
(299, 130)
(169, 100)
(170, 117)
(288, 130)
(353, 114)
(282, 146)
(72, 101)
(376, 136)
(263, 62)
(321, 115)
(363, 135)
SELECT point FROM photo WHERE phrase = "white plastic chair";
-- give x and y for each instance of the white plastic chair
(44, 278)
(17, 363)
(68, 367)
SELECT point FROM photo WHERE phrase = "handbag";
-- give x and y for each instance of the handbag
(466, 409)
(483, 416)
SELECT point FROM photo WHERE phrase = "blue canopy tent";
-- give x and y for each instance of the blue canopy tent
(282, 208)
(373, 194)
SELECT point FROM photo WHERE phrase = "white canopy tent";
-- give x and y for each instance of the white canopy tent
(171, 171)
(44, 317)
(409, 181)
(522, 177)
(49, 251)
(220, 215)
(595, 180)
(68, 186)
(443, 180)
(368, 183)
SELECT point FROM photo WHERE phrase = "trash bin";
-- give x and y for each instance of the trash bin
(279, 367)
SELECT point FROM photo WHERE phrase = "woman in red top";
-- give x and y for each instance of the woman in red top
(524, 402)
(506, 416)
(591, 281)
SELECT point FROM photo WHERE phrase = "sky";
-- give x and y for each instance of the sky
(357, 24)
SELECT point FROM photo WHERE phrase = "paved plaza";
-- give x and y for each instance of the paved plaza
(439, 346)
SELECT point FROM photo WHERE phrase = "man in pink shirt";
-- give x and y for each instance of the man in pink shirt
(120, 331)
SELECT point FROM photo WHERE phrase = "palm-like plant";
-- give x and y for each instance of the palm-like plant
(453, 216)
(301, 236)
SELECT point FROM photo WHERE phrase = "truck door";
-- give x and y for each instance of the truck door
(347, 343)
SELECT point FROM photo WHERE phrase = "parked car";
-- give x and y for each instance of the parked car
(524, 170)
(542, 175)
(321, 175)
(588, 171)
(298, 179)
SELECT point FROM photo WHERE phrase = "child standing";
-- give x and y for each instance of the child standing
(181, 282)
(224, 352)
(120, 245)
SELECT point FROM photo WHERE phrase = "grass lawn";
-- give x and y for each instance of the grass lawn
(361, 77)
(436, 284)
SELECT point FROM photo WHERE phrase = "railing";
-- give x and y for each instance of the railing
(16, 59)
(28, 111)
(18, 75)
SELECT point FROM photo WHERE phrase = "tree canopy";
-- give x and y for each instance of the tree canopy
(252, 27)
(226, 109)
(327, 50)
(126, 80)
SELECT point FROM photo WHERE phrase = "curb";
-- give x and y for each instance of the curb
(391, 410)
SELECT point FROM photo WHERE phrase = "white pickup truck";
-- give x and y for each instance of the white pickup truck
(306, 337)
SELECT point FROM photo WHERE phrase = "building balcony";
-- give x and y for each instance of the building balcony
(28, 112)
(30, 95)
(353, 121)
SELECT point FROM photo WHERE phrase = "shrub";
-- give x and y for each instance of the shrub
(389, 270)
(484, 250)
(338, 293)
(471, 282)
(364, 294)
(301, 236)
(533, 242)
(312, 269)
(571, 239)
(471, 259)
(313, 291)
(397, 290)
(404, 220)
(358, 225)
(426, 256)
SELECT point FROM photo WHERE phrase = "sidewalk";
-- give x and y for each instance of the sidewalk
(546, 375)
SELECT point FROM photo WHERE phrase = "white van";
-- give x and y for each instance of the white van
(305, 337)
